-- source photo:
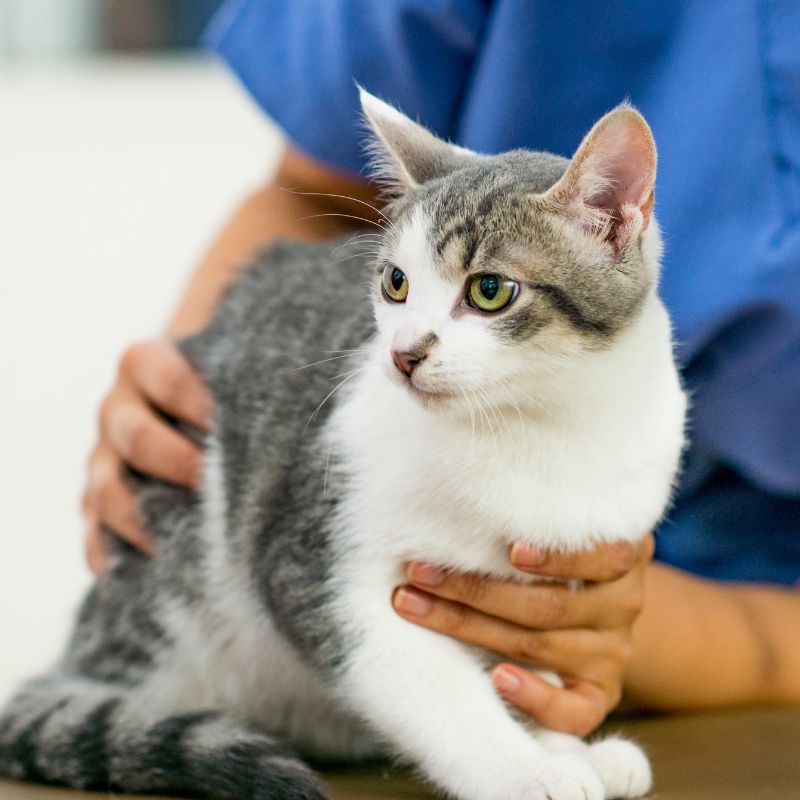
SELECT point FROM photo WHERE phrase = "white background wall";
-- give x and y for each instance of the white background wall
(47, 27)
(114, 175)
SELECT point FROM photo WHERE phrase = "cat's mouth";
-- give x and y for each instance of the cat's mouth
(426, 395)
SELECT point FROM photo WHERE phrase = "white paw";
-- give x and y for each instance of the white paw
(623, 767)
(559, 777)
(569, 777)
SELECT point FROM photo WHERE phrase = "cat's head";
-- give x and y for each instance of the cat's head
(497, 272)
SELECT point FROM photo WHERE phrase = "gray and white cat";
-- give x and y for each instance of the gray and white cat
(519, 385)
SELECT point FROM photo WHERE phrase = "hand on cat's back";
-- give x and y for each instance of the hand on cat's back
(582, 634)
(154, 382)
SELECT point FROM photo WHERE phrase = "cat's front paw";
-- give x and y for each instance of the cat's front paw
(561, 777)
(570, 777)
(623, 767)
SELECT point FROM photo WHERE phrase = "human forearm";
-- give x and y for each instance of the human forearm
(286, 207)
(701, 644)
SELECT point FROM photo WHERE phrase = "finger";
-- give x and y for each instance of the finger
(578, 709)
(607, 561)
(544, 605)
(96, 555)
(116, 510)
(567, 652)
(168, 381)
(110, 502)
(152, 447)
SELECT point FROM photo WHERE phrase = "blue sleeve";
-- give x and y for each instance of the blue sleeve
(300, 61)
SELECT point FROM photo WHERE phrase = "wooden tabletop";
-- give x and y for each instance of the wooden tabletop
(743, 755)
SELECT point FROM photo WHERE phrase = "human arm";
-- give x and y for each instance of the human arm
(702, 644)
(153, 378)
(667, 639)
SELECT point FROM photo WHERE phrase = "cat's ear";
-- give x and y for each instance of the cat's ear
(607, 190)
(403, 153)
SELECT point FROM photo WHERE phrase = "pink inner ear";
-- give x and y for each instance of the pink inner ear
(625, 159)
(618, 171)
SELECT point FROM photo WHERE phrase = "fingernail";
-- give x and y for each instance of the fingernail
(424, 574)
(411, 602)
(527, 555)
(505, 680)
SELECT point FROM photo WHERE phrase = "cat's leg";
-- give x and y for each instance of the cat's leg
(622, 765)
(435, 704)
(91, 735)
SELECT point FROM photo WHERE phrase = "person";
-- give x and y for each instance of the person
(712, 621)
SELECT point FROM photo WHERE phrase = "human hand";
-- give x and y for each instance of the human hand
(153, 379)
(583, 634)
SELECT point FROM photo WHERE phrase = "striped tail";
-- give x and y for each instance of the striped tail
(90, 736)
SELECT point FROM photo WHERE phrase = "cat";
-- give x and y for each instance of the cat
(492, 365)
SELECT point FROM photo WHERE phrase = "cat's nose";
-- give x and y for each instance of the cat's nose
(407, 361)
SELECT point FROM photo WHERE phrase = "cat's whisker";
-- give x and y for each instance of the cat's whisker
(367, 250)
(496, 412)
(356, 350)
(358, 237)
(345, 216)
(325, 361)
(482, 394)
(505, 386)
(471, 419)
(327, 397)
(365, 237)
(485, 420)
(327, 465)
(343, 260)
(544, 408)
(364, 240)
(341, 197)
(344, 374)
(377, 387)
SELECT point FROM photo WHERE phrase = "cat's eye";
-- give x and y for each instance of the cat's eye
(491, 292)
(395, 284)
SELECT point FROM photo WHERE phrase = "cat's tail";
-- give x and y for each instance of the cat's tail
(93, 736)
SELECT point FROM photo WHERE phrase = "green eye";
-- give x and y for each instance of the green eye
(491, 292)
(395, 284)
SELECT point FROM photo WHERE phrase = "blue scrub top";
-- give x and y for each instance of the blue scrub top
(719, 84)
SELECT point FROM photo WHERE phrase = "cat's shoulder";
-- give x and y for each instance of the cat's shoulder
(290, 299)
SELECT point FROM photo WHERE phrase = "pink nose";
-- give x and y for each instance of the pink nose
(407, 362)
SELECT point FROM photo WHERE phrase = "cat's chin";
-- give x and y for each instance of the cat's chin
(429, 398)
